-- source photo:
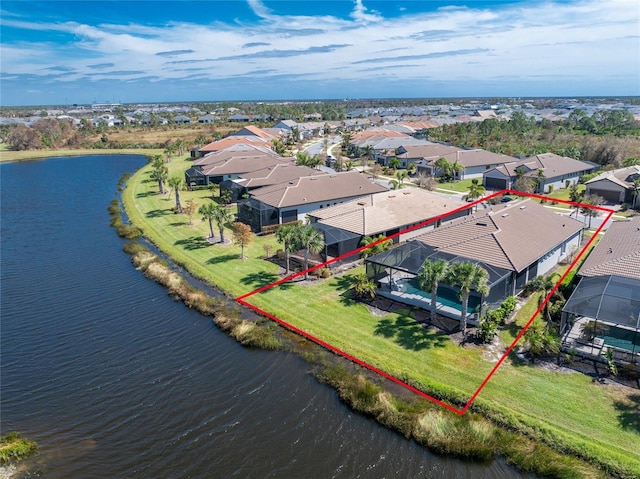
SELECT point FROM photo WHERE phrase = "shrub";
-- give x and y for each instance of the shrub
(509, 305)
(133, 247)
(487, 330)
(325, 273)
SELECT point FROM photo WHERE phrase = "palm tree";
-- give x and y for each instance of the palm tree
(175, 182)
(401, 176)
(208, 213)
(468, 276)
(443, 165)
(201, 140)
(378, 248)
(411, 168)
(540, 181)
(430, 275)
(180, 146)
(312, 241)
(457, 169)
(575, 195)
(221, 216)
(159, 172)
(394, 163)
(476, 190)
(544, 286)
(287, 234)
(366, 155)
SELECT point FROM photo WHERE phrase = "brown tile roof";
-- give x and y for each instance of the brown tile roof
(230, 140)
(240, 149)
(273, 175)
(253, 131)
(385, 211)
(313, 189)
(509, 236)
(427, 150)
(617, 252)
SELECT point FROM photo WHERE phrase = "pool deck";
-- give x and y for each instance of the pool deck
(421, 301)
(597, 348)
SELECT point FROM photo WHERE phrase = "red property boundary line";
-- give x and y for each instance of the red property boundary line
(460, 411)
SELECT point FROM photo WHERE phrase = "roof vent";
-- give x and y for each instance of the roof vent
(362, 203)
(505, 215)
(523, 207)
(406, 192)
(481, 223)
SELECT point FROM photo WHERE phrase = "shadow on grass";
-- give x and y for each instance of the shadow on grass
(629, 413)
(193, 243)
(157, 213)
(178, 223)
(259, 279)
(223, 259)
(146, 194)
(406, 332)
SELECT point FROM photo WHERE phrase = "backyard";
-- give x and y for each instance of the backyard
(565, 409)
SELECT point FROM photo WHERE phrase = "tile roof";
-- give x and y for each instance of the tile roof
(239, 164)
(617, 252)
(314, 189)
(553, 166)
(273, 175)
(510, 236)
(240, 149)
(385, 211)
(230, 140)
(622, 176)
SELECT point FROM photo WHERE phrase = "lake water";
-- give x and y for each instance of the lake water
(114, 379)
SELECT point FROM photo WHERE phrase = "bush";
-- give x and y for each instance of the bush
(487, 330)
(325, 273)
(624, 206)
(509, 305)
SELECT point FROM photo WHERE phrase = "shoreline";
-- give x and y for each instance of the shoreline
(394, 417)
(10, 156)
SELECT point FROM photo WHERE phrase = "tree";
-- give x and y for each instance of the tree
(190, 209)
(241, 235)
(544, 286)
(363, 287)
(312, 241)
(24, 138)
(467, 276)
(588, 202)
(376, 171)
(635, 193)
(225, 196)
(180, 146)
(201, 140)
(541, 340)
(366, 155)
(207, 211)
(170, 150)
(401, 176)
(476, 191)
(380, 247)
(411, 168)
(159, 172)
(394, 163)
(457, 170)
(430, 275)
(444, 166)
(221, 216)
(524, 184)
(287, 234)
(575, 195)
(175, 182)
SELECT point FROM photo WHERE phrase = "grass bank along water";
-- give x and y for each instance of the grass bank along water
(562, 415)
(15, 448)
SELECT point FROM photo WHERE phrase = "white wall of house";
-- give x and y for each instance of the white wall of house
(553, 257)
(560, 182)
(309, 207)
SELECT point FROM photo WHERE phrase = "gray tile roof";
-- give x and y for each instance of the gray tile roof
(622, 176)
(617, 252)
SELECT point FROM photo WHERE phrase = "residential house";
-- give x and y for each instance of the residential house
(386, 213)
(243, 183)
(208, 119)
(292, 200)
(229, 163)
(513, 242)
(239, 118)
(618, 186)
(603, 312)
(230, 141)
(548, 171)
(182, 119)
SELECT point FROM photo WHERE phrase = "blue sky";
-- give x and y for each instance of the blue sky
(64, 52)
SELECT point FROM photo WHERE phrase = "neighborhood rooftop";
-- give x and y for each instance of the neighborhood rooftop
(512, 236)
(313, 189)
(617, 253)
(386, 210)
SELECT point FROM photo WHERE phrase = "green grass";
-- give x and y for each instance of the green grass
(461, 186)
(567, 411)
(14, 447)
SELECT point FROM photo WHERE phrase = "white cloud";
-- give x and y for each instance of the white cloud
(584, 39)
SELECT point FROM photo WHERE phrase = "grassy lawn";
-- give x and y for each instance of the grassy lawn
(461, 186)
(565, 409)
